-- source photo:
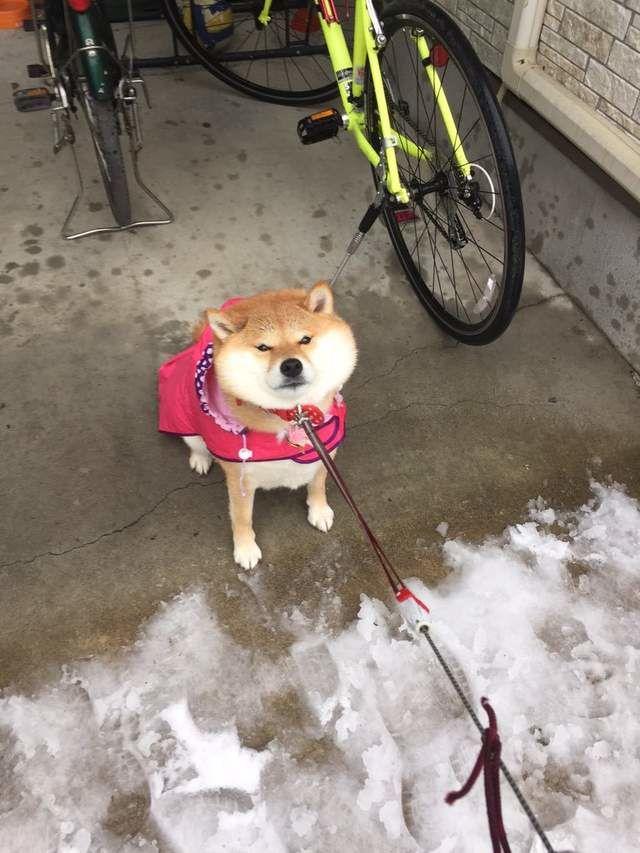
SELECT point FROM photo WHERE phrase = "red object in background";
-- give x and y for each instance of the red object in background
(303, 19)
(439, 56)
(79, 5)
(13, 13)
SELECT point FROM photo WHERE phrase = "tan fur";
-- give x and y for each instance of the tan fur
(200, 325)
(248, 379)
(240, 510)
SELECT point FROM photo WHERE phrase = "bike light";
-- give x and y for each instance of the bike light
(439, 56)
(79, 5)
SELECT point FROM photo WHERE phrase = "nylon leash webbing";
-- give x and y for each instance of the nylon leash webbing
(492, 790)
(392, 576)
(488, 762)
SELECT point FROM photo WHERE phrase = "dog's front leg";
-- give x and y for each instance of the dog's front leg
(320, 514)
(245, 550)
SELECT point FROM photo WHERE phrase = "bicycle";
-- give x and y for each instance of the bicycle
(420, 106)
(81, 68)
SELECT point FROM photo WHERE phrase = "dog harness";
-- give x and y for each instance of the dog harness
(190, 402)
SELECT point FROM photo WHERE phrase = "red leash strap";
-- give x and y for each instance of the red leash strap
(488, 761)
(303, 416)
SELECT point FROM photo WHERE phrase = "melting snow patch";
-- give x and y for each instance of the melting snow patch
(218, 759)
(160, 748)
(443, 529)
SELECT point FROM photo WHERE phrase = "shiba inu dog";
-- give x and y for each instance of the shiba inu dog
(233, 393)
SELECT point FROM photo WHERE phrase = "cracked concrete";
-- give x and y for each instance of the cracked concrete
(102, 520)
(116, 530)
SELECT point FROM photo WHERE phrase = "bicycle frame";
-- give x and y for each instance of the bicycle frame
(350, 76)
(93, 49)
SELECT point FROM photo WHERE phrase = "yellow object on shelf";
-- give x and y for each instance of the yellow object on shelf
(210, 20)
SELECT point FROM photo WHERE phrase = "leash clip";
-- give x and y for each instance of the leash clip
(413, 610)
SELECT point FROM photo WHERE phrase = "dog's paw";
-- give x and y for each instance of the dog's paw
(247, 555)
(321, 517)
(200, 462)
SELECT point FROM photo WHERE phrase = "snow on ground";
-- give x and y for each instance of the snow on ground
(160, 748)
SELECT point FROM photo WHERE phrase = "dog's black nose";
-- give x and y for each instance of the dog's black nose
(291, 367)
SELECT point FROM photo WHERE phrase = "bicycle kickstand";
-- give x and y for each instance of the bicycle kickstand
(370, 216)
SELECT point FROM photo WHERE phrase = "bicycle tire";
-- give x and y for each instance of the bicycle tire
(215, 64)
(105, 133)
(431, 19)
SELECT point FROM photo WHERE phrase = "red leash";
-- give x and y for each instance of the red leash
(488, 762)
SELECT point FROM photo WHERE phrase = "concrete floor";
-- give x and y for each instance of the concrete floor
(101, 518)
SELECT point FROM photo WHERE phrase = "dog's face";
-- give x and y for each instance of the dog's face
(282, 348)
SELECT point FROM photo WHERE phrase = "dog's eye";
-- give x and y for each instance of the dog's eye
(305, 340)
(263, 348)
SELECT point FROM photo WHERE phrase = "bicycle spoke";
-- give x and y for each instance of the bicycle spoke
(481, 249)
(471, 277)
(494, 224)
(434, 252)
(277, 30)
(461, 143)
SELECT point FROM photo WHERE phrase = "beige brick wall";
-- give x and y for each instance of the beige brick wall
(593, 48)
(590, 46)
(486, 24)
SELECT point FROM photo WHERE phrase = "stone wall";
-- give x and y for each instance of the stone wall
(486, 24)
(593, 48)
(590, 46)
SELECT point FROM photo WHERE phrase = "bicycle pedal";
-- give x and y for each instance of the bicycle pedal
(37, 70)
(29, 100)
(319, 126)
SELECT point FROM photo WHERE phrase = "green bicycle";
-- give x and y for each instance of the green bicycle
(420, 106)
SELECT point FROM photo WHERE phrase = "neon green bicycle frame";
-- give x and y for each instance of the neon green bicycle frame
(350, 74)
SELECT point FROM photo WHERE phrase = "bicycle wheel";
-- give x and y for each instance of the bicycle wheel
(460, 239)
(105, 133)
(285, 62)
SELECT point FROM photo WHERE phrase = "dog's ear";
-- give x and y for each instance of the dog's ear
(222, 324)
(320, 299)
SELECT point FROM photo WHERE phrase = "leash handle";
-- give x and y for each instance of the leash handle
(488, 762)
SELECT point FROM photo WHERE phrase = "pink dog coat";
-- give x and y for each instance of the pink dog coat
(191, 403)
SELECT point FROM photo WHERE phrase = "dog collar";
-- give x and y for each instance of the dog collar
(315, 415)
